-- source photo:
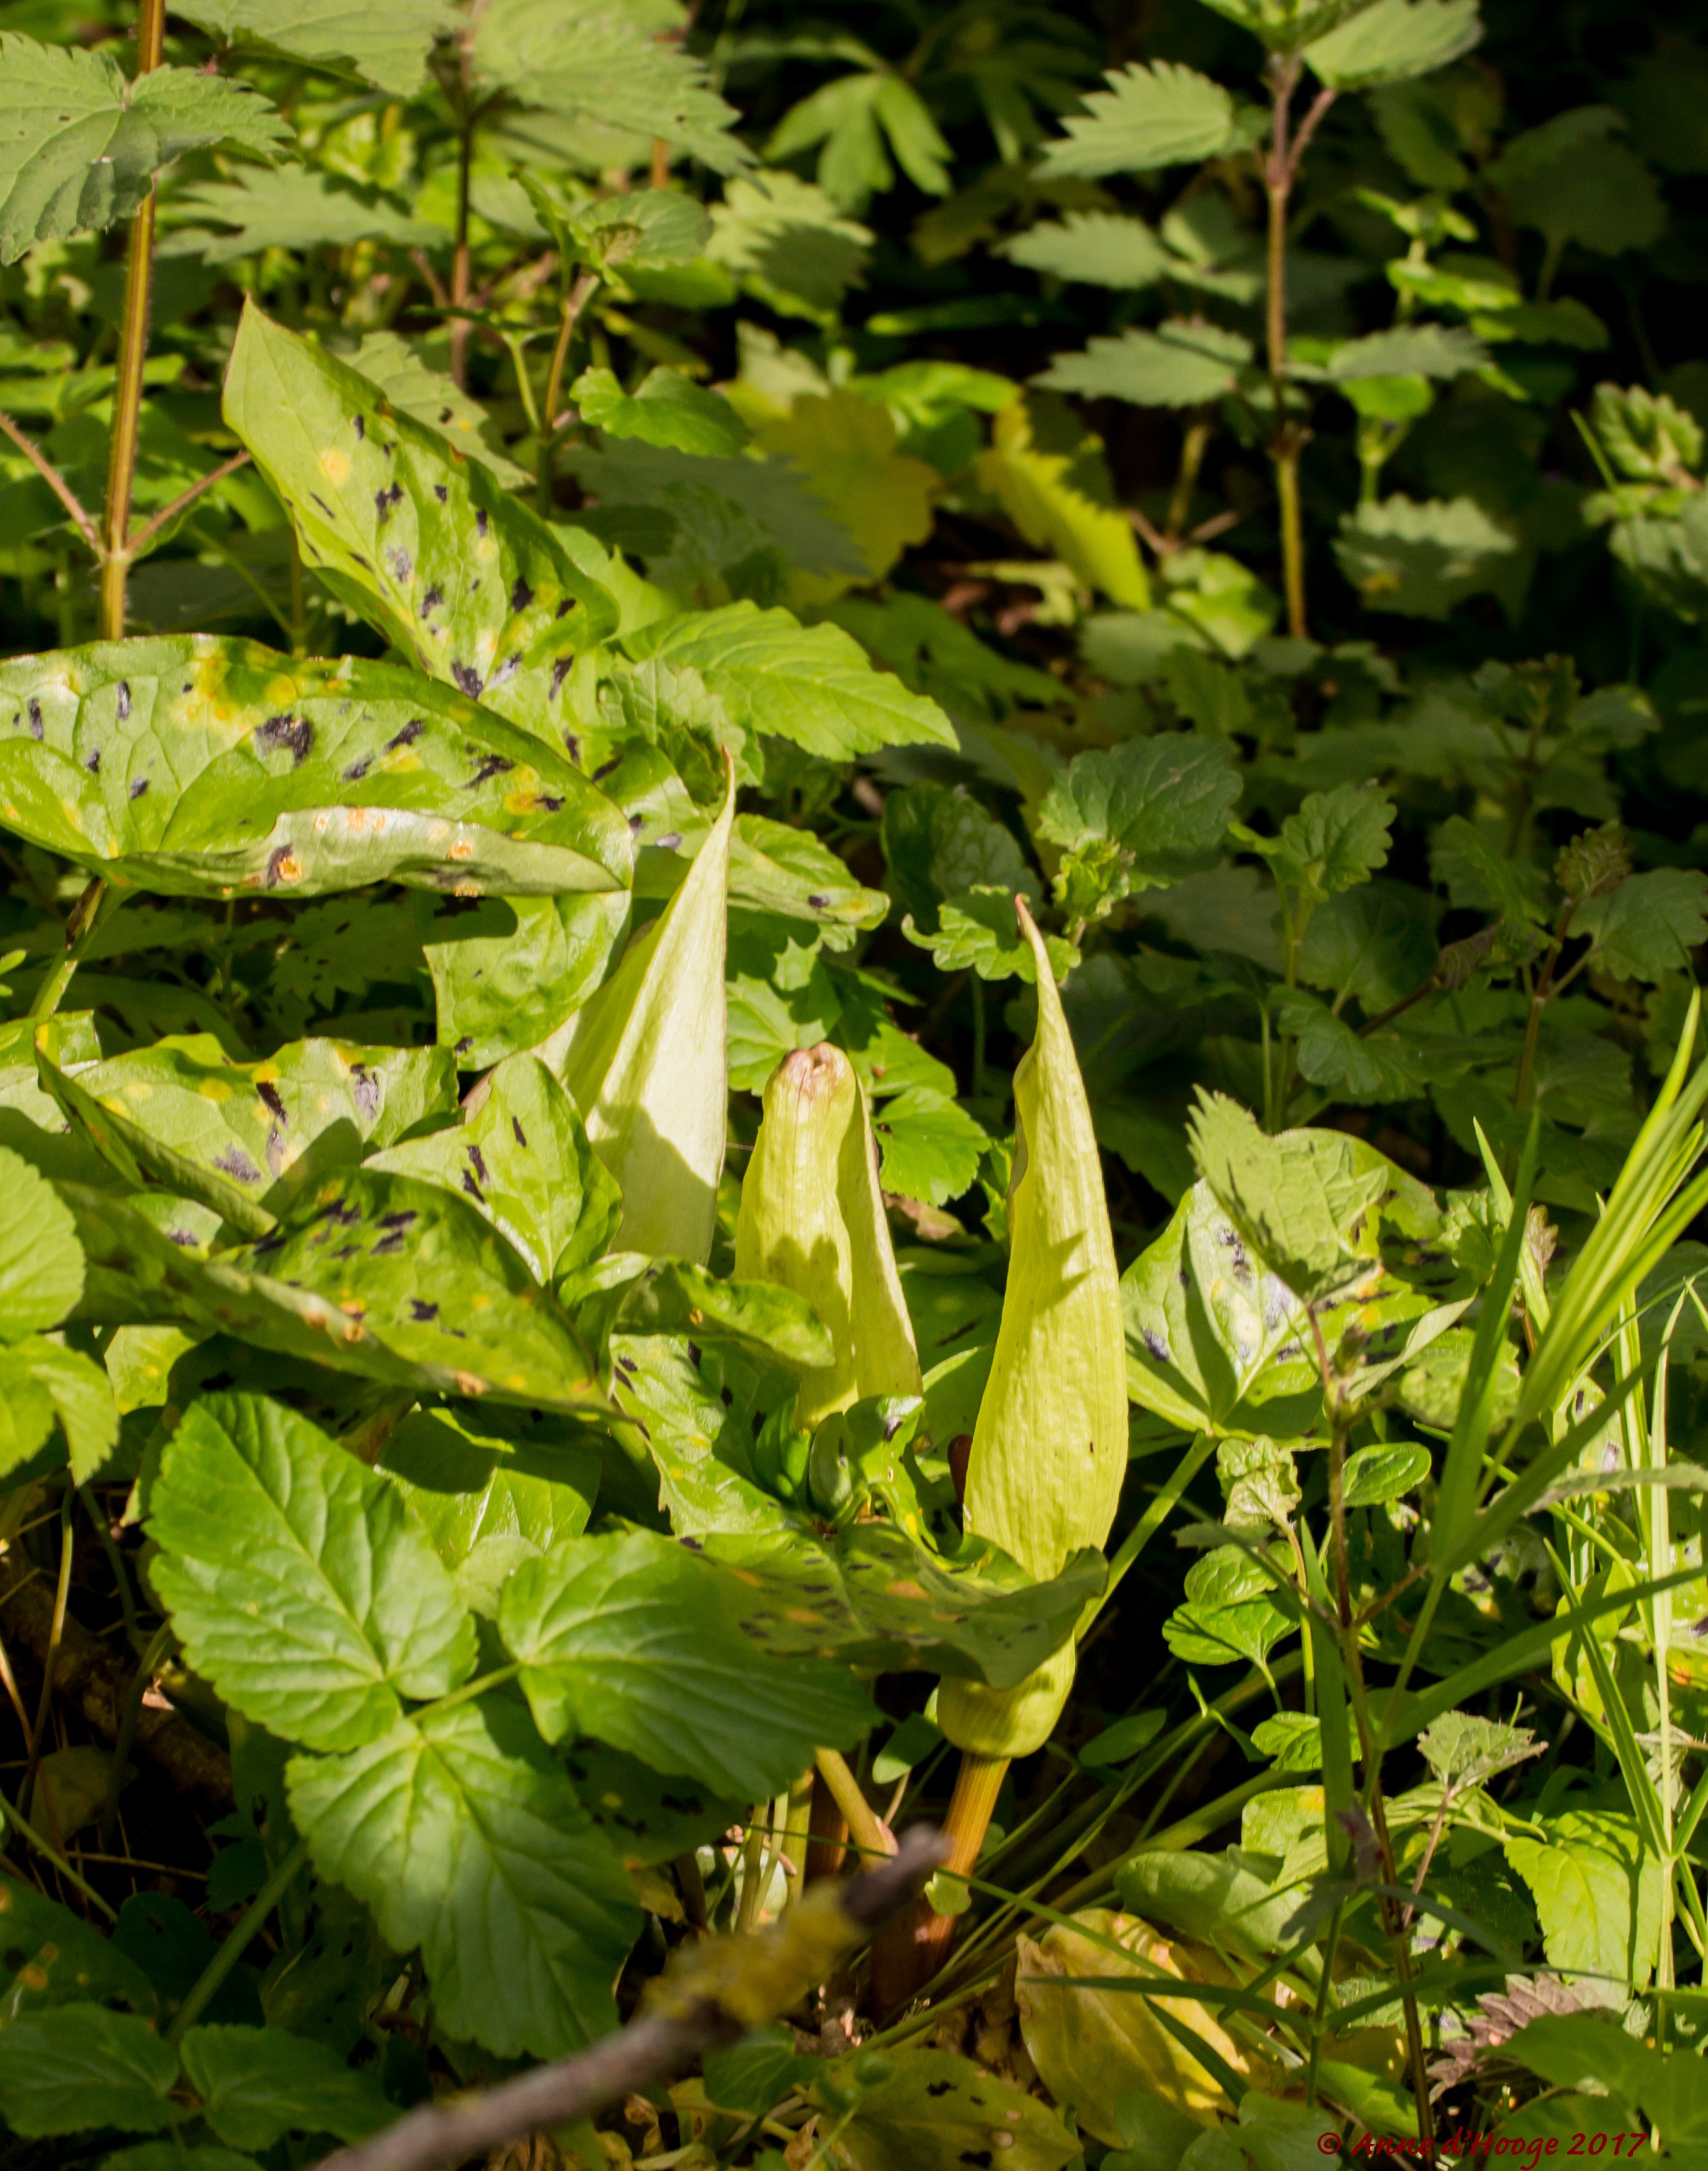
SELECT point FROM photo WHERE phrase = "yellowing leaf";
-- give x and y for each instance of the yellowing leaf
(846, 448)
(647, 1063)
(1053, 483)
(1049, 1451)
(812, 1222)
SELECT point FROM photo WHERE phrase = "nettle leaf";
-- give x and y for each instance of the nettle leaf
(78, 2067)
(466, 1844)
(931, 1146)
(811, 685)
(1337, 840)
(1140, 817)
(977, 929)
(1099, 247)
(204, 767)
(1420, 560)
(638, 1642)
(257, 2084)
(80, 144)
(521, 1155)
(787, 243)
(667, 409)
(247, 1137)
(886, 1603)
(1148, 117)
(295, 1580)
(1650, 924)
(421, 542)
(1409, 350)
(41, 1262)
(1465, 1751)
(386, 45)
(636, 230)
(586, 60)
(1182, 365)
(1393, 40)
(293, 207)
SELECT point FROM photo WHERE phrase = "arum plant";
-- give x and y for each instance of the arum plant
(1049, 1448)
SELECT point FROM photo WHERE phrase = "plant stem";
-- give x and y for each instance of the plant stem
(1280, 172)
(915, 1946)
(237, 1944)
(38, 1733)
(827, 1834)
(126, 1737)
(56, 482)
(1192, 448)
(459, 259)
(545, 465)
(133, 349)
(871, 1834)
(150, 528)
(1539, 995)
(91, 908)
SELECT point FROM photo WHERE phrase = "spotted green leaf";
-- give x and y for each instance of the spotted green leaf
(420, 540)
(467, 1844)
(50, 1956)
(246, 1137)
(507, 972)
(262, 1517)
(205, 768)
(925, 2108)
(772, 1323)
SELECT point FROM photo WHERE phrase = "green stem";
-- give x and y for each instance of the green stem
(545, 465)
(126, 1739)
(866, 1827)
(38, 1733)
(27, 1832)
(95, 905)
(237, 1944)
(133, 349)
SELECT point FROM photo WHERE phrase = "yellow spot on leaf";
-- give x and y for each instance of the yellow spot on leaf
(335, 465)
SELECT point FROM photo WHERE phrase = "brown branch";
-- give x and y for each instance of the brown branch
(638, 2057)
(145, 534)
(56, 482)
(87, 1675)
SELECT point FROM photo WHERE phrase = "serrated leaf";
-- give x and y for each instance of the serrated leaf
(1420, 560)
(1409, 350)
(1650, 924)
(931, 1147)
(591, 60)
(488, 1862)
(1097, 248)
(81, 1397)
(1465, 1751)
(1393, 40)
(939, 842)
(658, 1123)
(203, 768)
(811, 685)
(1049, 477)
(424, 546)
(1598, 193)
(1337, 840)
(257, 2084)
(1141, 815)
(79, 2067)
(469, 1477)
(245, 1139)
(884, 1602)
(977, 929)
(80, 145)
(1475, 871)
(667, 409)
(293, 207)
(639, 1642)
(1381, 1066)
(41, 1262)
(388, 45)
(1182, 365)
(1376, 942)
(1598, 1894)
(845, 447)
(639, 229)
(523, 1156)
(1148, 117)
(295, 1578)
(787, 243)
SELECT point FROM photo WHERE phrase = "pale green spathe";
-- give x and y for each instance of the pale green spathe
(1049, 1450)
(812, 1220)
(646, 1063)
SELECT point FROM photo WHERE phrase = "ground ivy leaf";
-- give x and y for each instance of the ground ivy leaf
(1337, 840)
(80, 144)
(246, 1137)
(425, 544)
(886, 1603)
(938, 843)
(1139, 817)
(978, 928)
(811, 685)
(521, 1155)
(206, 768)
(638, 1642)
(299, 1586)
(78, 2066)
(41, 1262)
(486, 1860)
(1376, 942)
(931, 1146)
(1383, 1066)
(257, 2084)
